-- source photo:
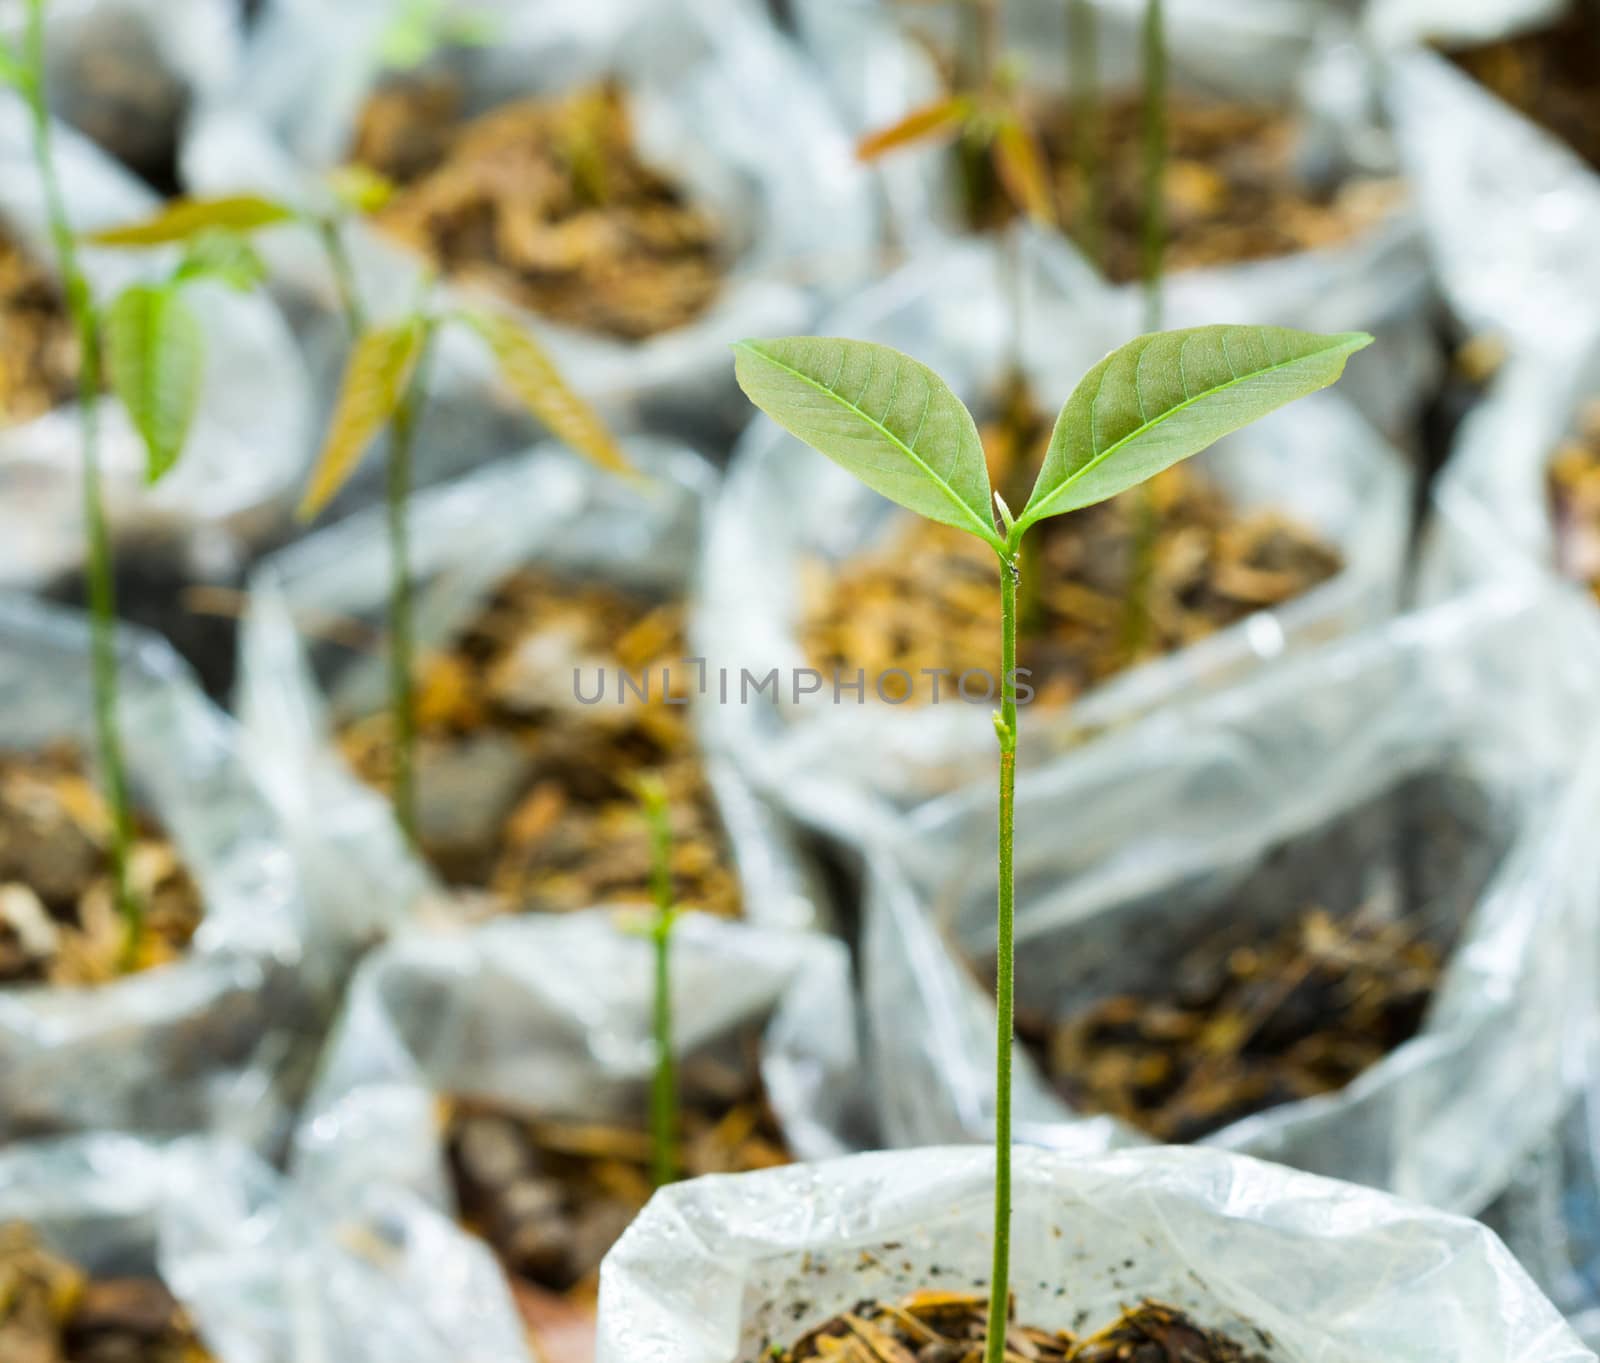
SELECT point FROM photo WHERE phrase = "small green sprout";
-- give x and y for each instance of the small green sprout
(897, 426)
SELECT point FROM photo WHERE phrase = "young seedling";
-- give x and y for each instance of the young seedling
(898, 427)
(385, 387)
(152, 345)
(664, 1087)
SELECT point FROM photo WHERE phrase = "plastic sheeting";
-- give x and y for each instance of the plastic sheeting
(552, 1015)
(714, 89)
(249, 442)
(547, 508)
(715, 1270)
(853, 767)
(1147, 843)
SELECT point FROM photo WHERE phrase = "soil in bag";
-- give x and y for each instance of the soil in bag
(51, 1311)
(951, 1327)
(1573, 490)
(1130, 580)
(546, 202)
(532, 735)
(1287, 985)
(59, 922)
(1548, 76)
(552, 1197)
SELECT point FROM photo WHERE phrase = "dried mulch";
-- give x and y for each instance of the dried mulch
(38, 344)
(951, 1327)
(1573, 490)
(529, 794)
(547, 203)
(52, 1312)
(58, 917)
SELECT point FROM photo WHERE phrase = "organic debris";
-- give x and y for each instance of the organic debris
(58, 917)
(926, 600)
(547, 203)
(529, 792)
(1548, 76)
(1574, 492)
(38, 344)
(1297, 1015)
(553, 1197)
(951, 1327)
(52, 1312)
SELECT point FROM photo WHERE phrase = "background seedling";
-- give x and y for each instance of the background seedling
(155, 351)
(1083, 86)
(664, 1087)
(898, 427)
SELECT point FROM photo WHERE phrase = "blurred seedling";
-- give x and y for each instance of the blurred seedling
(664, 1114)
(898, 427)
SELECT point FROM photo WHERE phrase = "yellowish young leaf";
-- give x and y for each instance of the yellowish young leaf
(185, 219)
(1021, 168)
(942, 119)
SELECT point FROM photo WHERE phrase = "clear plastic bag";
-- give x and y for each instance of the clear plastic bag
(547, 507)
(851, 767)
(1439, 767)
(249, 441)
(714, 89)
(551, 1015)
(193, 1044)
(716, 1270)
(267, 1274)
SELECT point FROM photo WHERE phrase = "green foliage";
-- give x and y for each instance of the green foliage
(421, 27)
(223, 257)
(157, 356)
(360, 189)
(183, 220)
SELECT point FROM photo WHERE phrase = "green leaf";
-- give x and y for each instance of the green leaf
(157, 358)
(360, 189)
(1168, 395)
(374, 385)
(882, 416)
(532, 375)
(13, 70)
(185, 219)
(225, 257)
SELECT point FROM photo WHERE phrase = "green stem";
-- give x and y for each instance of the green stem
(1005, 957)
(331, 234)
(1154, 235)
(101, 583)
(1083, 67)
(664, 1088)
(402, 633)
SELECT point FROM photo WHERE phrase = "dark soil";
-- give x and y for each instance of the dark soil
(52, 1312)
(929, 598)
(58, 918)
(545, 202)
(1548, 76)
(1573, 488)
(951, 1327)
(531, 795)
(38, 345)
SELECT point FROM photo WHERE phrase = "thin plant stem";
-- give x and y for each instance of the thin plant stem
(664, 1085)
(1005, 957)
(1083, 70)
(101, 583)
(402, 631)
(331, 234)
(1153, 239)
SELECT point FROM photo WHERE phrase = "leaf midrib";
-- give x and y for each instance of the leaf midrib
(987, 532)
(1029, 516)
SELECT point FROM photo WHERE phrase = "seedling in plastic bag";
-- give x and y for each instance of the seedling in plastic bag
(898, 427)
(664, 1087)
(152, 345)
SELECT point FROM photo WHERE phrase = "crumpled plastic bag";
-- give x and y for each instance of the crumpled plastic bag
(879, 66)
(551, 1014)
(716, 1270)
(546, 507)
(249, 442)
(267, 1274)
(853, 768)
(1134, 850)
(195, 1043)
(714, 89)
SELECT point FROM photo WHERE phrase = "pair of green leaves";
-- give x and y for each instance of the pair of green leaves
(897, 426)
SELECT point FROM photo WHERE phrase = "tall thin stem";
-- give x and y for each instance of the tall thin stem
(1083, 70)
(331, 235)
(1154, 235)
(1005, 958)
(402, 632)
(101, 583)
(664, 1087)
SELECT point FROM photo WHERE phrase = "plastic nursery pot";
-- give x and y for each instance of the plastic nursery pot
(1245, 87)
(257, 1270)
(696, 78)
(248, 442)
(503, 1073)
(1410, 798)
(587, 541)
(785, 554)
(198, 1041)
(1289, 1265)
(1510, 222)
